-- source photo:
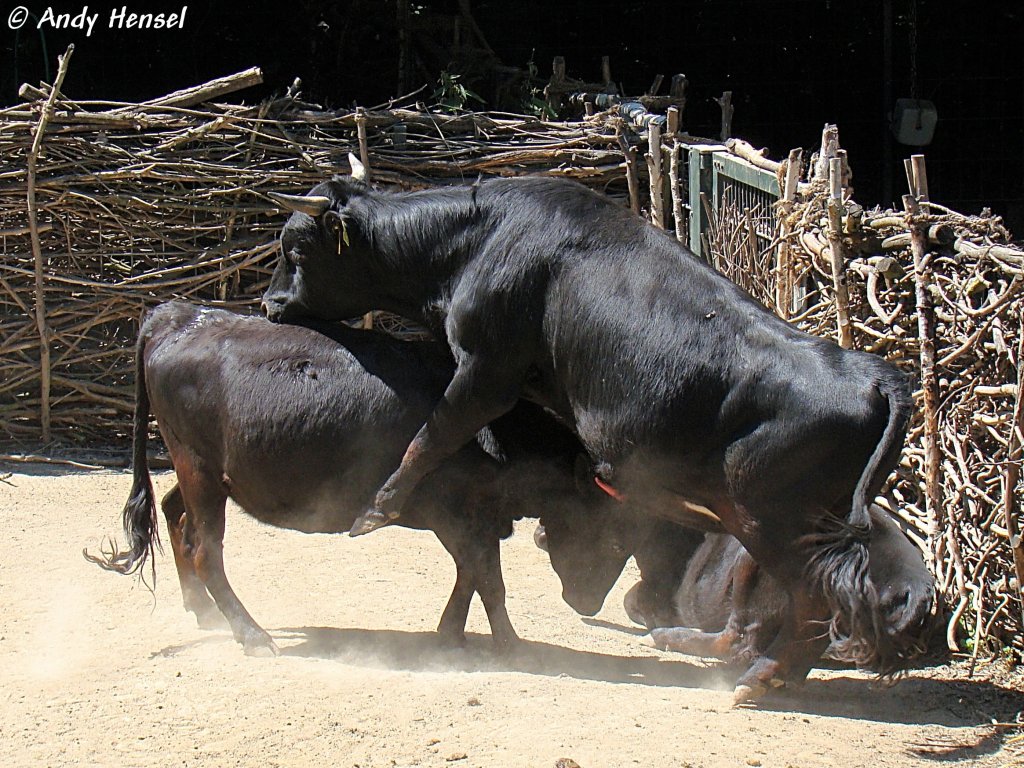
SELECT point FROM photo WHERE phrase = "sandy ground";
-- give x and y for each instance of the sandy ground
(95, 670)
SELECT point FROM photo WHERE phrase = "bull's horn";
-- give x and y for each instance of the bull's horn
(314, 205)
(358, 169)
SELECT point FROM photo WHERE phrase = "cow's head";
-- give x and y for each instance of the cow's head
(321, 237)
(892, 614)
(589, 539)
(906, 591)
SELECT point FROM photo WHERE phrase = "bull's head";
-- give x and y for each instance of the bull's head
(309, 279)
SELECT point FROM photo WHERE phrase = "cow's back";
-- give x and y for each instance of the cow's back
(301, 428)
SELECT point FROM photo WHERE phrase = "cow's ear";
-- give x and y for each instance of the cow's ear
(337, 229)
(583, 473)
(333, 222)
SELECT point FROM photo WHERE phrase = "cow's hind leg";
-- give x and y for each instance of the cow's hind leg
(193, 591)
(477, 556)
(452, 627)
(202, 538)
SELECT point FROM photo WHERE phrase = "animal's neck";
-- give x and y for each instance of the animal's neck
(421, 243)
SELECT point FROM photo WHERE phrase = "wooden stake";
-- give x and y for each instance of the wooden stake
(632, 179)
(364, 149)
(678, 218)
(929, 379)
(784, 264)
(37, 248)
(920, 178)
(1011, 476)
(672, 120)
(654, 167)
(829, 147)
(725, 102)
(214, 89)
(838, 260)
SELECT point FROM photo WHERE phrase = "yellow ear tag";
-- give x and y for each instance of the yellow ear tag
(342, 236)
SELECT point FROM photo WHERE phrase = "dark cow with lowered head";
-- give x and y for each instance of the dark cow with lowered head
(681, 387)
(300, 427)
(702, 594)
(719, 603)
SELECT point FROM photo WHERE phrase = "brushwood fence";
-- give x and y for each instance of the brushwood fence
(107, 208)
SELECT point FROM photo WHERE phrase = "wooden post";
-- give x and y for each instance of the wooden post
(1011, 476)
(678, 88)
(37, 249)
(364, 158)
(654, 167)
(679, 221)
(829, 147)
(404, 47)
(606, 73)
(632, 179)
(553, 90)
(926, 336)
(784, 265)
(725, 102)
(364, 148)
(672, 120)
(838, 260)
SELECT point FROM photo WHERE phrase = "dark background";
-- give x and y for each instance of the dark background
(792, 65)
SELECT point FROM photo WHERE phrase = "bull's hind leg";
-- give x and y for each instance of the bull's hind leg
(202, 539)
(193, 591)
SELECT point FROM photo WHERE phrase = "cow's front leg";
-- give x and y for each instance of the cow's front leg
(478, 394)
(791, 655)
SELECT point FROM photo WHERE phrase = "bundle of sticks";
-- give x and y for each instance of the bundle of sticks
(948, 310)
(108, 207)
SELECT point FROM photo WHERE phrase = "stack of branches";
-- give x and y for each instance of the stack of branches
(952, 318)
(140, 203)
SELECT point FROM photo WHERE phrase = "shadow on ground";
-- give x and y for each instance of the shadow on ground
(923, 698)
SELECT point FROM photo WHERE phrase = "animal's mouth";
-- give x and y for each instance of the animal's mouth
(583, 605)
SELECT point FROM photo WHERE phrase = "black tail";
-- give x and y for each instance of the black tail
(139, 514)
(894, 388)
(839, 555)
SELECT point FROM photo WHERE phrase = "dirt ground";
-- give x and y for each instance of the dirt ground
(97, 671)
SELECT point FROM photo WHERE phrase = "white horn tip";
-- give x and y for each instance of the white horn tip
(358, 169)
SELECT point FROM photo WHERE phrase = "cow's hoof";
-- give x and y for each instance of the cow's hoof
(266, 649)
(369, 521)
(660, 638)
(747, 694)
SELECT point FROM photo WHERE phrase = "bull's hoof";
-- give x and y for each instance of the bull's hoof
(747, 694)
(369, 521)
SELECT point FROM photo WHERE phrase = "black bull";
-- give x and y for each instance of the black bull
(682, 389)
(300, 427)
